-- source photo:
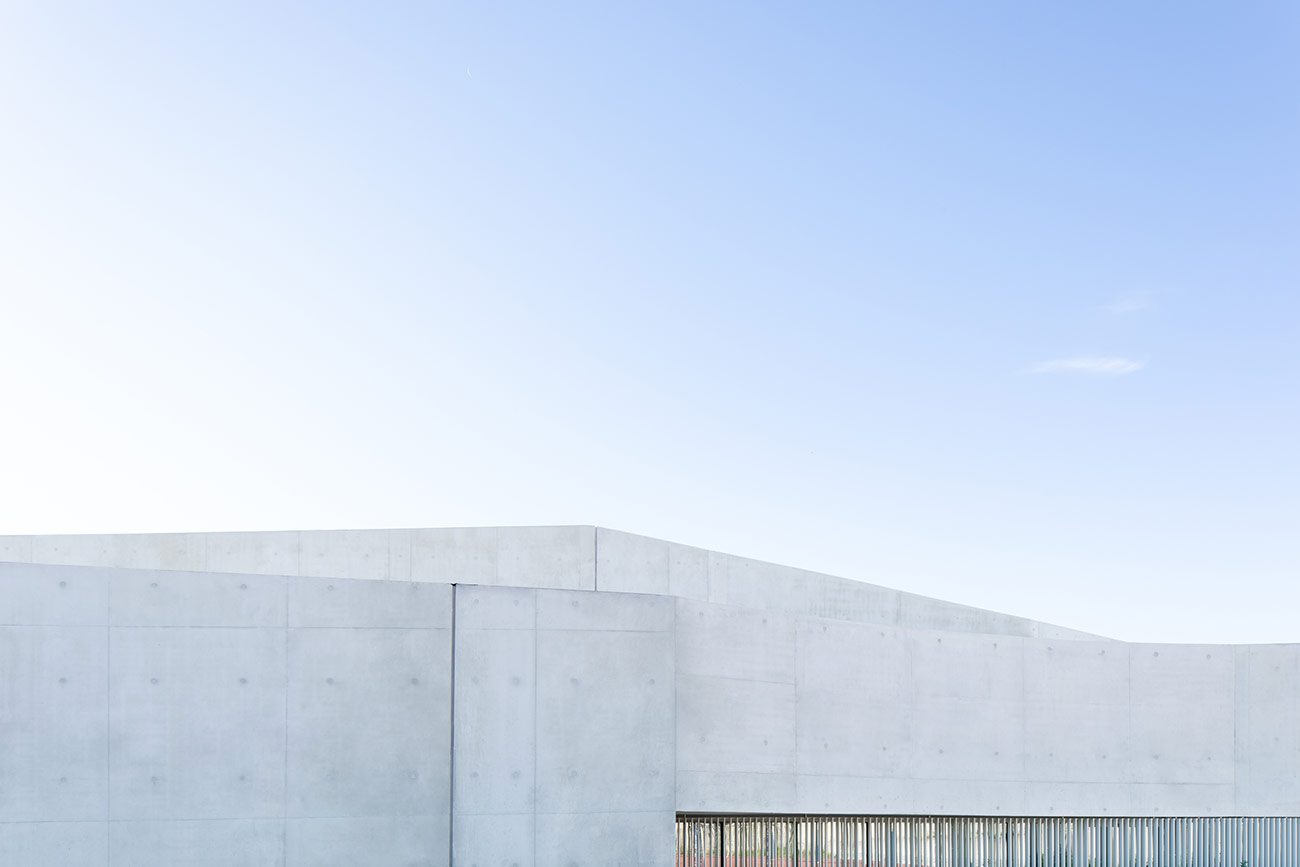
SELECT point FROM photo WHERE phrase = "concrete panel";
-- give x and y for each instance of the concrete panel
(16, 549)
(604, 721)
(850, 657)
(1079, 799)
(178, 551)
(688, 571)
(1268, 729)
(455, 556)
(719, 584)
(965, 798)
(54, 844)
(628, 563)
(399, 555)
(494, 840)
(546, 557)
(845, 733)
(53, 724)
(723, 641)
(1182, 713)
(736, 792)
(572, 718)
(631, 564)
(965, 667)
(843, 599)
(158, 598)
(369, 722)
(1076, 672)
(362, 554)
(37, 595)
(1061, 633)
(183, 551)
(1076, 711)
(726, 725)
(605, 840)
(769, 587)
(1180, 674)
(612, 612)
(853, 715)
(341, 602)
(967, 740)
(496, 702)
(277, 553)
(378, 841)
(831, 793)
(197, 721)
(562, 558)
(1076, 742)
(495, 608)
(224, 843)
(1182, 799)
(922, 612)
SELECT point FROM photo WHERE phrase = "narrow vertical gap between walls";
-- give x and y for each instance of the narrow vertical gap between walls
(284, 798)
(595, 558)
(536, 723)
(108, 725)
(451, 742)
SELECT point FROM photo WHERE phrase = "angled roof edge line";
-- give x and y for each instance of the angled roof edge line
(572, 557)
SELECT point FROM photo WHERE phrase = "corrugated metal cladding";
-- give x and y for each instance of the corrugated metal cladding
(927, 841)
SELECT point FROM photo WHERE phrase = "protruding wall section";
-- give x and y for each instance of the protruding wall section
(157, 717)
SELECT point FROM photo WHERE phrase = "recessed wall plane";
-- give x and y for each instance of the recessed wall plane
(582, 696)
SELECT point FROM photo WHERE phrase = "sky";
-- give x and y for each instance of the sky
(994, 302)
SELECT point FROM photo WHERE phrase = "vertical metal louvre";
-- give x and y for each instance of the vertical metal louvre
(949, 841)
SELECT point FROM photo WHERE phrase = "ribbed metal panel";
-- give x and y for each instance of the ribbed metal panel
(949, 841)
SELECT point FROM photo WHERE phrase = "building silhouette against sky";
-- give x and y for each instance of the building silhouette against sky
(582, 696)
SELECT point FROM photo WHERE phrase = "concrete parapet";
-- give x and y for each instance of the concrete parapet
(555, 558)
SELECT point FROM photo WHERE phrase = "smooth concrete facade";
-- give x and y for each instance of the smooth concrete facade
(331, 698)
(167, 718)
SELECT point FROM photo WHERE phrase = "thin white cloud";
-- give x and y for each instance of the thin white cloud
(1132, 303)
(1097, 366)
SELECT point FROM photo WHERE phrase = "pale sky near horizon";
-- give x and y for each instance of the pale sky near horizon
(994, 302)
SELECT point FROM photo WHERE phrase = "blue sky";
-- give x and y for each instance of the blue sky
(996, 302)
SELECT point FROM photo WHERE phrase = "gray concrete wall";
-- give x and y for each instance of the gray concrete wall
(601, 682)
(155, 717)
(164, 718)
(793, 714)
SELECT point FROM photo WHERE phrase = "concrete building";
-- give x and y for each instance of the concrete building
(581, 696)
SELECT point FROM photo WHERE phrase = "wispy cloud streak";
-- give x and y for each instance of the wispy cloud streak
(1133, 303)
(1097, 366)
